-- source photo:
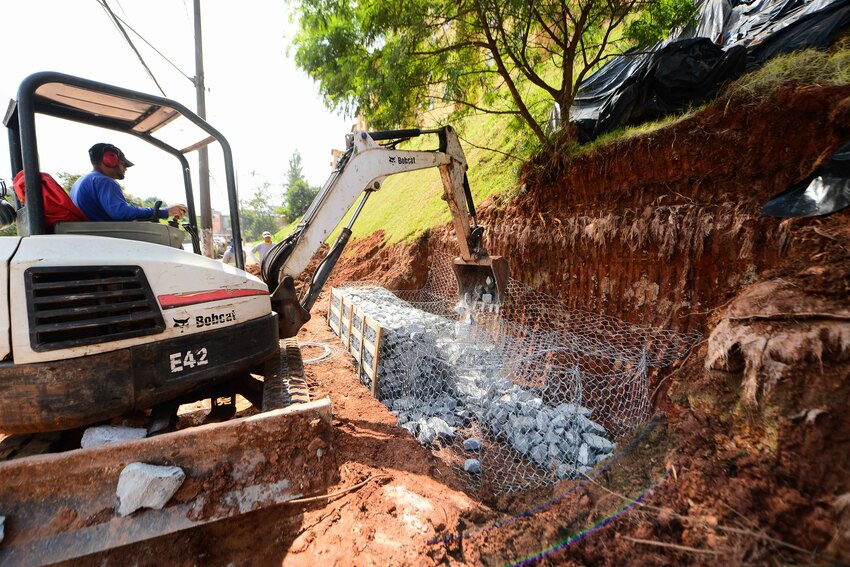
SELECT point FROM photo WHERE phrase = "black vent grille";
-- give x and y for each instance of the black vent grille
(88, 305)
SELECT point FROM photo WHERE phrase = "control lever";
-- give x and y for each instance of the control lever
(156, 207)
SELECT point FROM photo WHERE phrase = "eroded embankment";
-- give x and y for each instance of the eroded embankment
(665, 230)
(657, 229)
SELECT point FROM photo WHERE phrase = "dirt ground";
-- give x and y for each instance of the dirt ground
(747, 461)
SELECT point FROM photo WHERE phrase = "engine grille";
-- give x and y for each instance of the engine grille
(87, 305)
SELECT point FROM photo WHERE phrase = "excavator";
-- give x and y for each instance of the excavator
(106, 320)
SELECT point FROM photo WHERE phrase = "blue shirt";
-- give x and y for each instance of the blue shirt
(101, 199)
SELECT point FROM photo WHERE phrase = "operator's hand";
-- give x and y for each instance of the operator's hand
(177, 211)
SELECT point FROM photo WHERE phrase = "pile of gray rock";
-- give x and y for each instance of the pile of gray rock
(562, 438)
(437, 375)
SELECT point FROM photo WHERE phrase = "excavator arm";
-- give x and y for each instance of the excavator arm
(361, 171)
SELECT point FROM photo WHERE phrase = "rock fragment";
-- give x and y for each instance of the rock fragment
(143, 485)
(472, 466)
(105, 434)
(597, 442)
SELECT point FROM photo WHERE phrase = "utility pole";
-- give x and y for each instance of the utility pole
(203, 155)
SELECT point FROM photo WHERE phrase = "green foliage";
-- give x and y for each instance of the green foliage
(396, 62)
(67, 180)
(257, 213)
(809, 67)
(295, 171)
(299, 194)
(144, 202)
(656, 20)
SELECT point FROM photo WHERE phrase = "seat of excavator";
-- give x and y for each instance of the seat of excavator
(143, 231)
(129, 230)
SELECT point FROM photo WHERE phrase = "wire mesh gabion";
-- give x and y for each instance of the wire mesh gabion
(520, 395)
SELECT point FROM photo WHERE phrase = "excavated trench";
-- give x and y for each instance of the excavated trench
(664, 230)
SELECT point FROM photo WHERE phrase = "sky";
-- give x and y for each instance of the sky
(256, 97)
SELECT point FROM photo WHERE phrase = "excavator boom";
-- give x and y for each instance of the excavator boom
(481, 279)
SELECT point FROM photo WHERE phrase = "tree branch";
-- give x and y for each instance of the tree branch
(521, 63)
(450, 48)
(476, 107)
(467, 142)
(500, 65)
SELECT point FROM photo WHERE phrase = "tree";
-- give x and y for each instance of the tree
(67, 180)
(294, 173)
(298, 194)
(394, 60)
(257, 214)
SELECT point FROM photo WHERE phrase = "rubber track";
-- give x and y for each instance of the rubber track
(298, 392)
(284, 383)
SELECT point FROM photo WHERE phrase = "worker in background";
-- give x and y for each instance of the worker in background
(229, 254)
(99, 195)
(263, 247)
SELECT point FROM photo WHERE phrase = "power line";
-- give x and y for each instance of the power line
(118, 25)
(158, 52)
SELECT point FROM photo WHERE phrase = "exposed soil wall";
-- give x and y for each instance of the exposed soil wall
(665, 230)
(657, 229)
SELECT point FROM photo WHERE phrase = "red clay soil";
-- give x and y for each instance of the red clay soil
(748, 458)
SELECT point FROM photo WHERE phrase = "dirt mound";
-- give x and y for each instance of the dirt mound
(395, 267)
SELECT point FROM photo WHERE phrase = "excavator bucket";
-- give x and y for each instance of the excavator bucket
(482, 282)
(63, 506)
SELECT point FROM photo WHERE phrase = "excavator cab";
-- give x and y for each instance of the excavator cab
(108, 325)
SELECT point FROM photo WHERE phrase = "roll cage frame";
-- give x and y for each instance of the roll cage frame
(115, 108)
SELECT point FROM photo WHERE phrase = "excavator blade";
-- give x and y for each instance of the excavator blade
(62, 506)
(482, 282)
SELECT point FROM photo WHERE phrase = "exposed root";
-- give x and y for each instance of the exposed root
(770, 328)
(675, 546)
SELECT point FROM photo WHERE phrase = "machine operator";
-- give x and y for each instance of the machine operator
(99, 196)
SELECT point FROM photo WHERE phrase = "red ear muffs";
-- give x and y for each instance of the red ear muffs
(110, 159)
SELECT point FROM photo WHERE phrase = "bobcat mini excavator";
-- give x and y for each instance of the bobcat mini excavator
(102, 319)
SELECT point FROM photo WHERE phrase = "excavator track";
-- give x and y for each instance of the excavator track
(284, 383)
(298, 391)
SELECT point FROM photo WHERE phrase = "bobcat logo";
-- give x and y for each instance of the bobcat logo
(392, 159)
(181, 322)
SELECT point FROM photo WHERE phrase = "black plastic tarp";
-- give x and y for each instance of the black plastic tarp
(823, 192)
(729, 38)
(811, 29)
(681, 73)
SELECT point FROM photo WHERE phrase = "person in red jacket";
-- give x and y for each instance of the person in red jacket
(99, 196)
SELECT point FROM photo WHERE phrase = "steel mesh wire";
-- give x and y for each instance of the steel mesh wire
(520, 396)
